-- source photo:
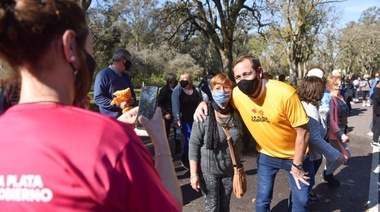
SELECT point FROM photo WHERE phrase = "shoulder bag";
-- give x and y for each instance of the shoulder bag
(239, 178)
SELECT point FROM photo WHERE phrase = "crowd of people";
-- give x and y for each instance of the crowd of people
(57, 156)
(97, 162)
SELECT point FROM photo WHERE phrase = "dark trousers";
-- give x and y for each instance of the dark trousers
(168, 126)
(217, 192)
(348, 104)
(376, 127)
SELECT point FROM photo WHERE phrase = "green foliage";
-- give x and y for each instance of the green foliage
(140, 80)
(204, 36)
(360, 43)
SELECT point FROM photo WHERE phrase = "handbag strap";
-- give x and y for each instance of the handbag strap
(231, 147)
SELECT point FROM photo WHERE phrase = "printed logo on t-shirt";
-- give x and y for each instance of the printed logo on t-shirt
(259, 116)
(24, 188)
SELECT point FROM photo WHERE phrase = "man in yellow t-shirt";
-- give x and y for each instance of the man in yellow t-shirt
(275, 117)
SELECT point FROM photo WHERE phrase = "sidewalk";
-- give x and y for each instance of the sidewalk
(358, 192)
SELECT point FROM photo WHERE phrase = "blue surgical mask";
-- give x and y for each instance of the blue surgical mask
(208, 80)
(377, 78)
(221, 98)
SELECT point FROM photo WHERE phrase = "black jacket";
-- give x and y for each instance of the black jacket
(164, 100)
(376, 102)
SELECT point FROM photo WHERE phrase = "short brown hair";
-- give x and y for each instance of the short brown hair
(222, 79)
(255, 63)
(311, 90)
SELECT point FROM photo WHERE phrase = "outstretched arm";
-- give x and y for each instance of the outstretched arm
(163, 160)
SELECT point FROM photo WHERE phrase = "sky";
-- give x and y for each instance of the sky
(352, 9)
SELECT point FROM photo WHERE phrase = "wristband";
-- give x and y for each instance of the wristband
(161, 154)
(194, 176)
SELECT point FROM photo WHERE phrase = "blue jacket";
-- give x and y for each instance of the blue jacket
(107, 82)
(373, 86)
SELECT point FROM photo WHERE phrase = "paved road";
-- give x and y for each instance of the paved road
(358, 192)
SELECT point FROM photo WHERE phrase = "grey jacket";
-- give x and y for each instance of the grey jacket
(213, 161)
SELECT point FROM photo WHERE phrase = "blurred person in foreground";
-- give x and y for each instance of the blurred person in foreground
(276, 119)
(75, 159)
(211, 168)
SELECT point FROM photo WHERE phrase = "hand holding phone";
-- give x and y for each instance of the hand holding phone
(147, 104)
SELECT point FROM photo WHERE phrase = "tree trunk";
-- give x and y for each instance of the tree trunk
(304, 70)
(292, 73)
(299, 70)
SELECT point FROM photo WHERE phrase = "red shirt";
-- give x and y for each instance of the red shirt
(61, 158)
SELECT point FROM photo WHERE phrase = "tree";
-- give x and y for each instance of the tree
(359, 43)
(369, 44)
(299, 23)
(132, 25)
(216, 20)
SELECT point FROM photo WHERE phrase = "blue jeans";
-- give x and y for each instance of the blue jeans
(186, 131)
(267, 168)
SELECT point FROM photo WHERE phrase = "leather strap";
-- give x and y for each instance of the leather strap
(230, 145)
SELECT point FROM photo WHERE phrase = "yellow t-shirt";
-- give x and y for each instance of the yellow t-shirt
(271, 118)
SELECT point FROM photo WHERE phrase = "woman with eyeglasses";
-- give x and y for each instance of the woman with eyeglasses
(338, 119)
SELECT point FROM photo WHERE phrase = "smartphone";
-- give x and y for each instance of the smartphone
(147, 103)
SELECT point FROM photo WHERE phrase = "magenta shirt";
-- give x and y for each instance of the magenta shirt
(61, 158)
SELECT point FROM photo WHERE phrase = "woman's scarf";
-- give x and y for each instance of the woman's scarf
(213, 138)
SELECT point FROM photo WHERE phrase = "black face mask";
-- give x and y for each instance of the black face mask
(173, 84)
(183, 83)
(127, 65)
(248, 87)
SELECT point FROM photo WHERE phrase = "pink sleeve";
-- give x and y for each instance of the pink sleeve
(333, 118)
